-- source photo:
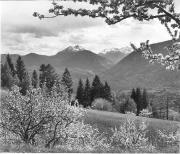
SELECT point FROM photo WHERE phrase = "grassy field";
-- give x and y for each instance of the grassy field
(104, 121)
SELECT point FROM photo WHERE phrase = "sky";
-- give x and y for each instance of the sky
(21, 33)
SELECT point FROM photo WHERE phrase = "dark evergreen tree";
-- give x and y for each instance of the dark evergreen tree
(67, 81)
(6, 76)
(107, 92)
(96, 89)
(128, 106)
(20, 69)
(138, 99)
(51, 76)
(34, 79)
(144, 99)
(42, 75)
(47, 76)
(87, 94)
(23, 76)
(25, 83)
(133, 94)
(11, 65)
(3, 82)
(80, 93)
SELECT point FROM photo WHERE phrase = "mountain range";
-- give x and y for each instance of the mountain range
(115, 54)
(82, 63)
(122, 70)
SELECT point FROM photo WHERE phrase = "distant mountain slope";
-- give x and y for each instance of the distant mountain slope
(135, 71)
(82, 63)
(115, 54)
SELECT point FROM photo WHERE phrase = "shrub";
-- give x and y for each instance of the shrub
(128, 105)
(131, 138)
(102, 104)
(83, 137)
(145, 113)
(169, 139)
(37, 116)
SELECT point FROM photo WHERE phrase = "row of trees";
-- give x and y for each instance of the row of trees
(14, 75)
(19, 76)
(140, 98)
(87, 93)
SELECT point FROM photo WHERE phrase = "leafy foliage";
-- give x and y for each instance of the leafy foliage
(118, 10)
(171, 61)
(145, 113)
(128, 106)
(102, 104)
(131, 138)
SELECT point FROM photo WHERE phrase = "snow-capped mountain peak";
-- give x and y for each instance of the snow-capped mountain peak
(124, 50)
(75, 48)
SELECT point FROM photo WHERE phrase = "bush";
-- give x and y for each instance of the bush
(128, 106)
(145, 113)
(102, 104)
(37, 117)
(84, 138)
(131, 138)
(42, 120)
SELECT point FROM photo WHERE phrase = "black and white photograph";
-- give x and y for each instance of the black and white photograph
(90, 76)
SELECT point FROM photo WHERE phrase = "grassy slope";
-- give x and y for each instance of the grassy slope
(106, 120)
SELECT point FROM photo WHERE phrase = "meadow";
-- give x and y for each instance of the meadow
(104, 121)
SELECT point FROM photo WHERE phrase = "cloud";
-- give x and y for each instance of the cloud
(22, 33)
(38, 32)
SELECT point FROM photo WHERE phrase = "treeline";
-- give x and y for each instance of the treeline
(18, 75)
(140, 98)
(87, 93)
(46, 76)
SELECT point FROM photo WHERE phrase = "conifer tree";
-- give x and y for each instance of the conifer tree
(34, 79)
(11, 65)
(6, 76)
(87, 94)
(51, 76)
(47, 76)
(25, 83)
(96, 90)
(3, 84)
(80, 93)
(20, 69)
(133, 94)
(138, 100)
(42, 75)
(67, 81)
(107, 92)
(144, 99)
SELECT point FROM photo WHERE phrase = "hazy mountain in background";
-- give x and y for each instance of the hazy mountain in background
(115, 54)
(130, 72)
(134, 71)
(82, 63)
